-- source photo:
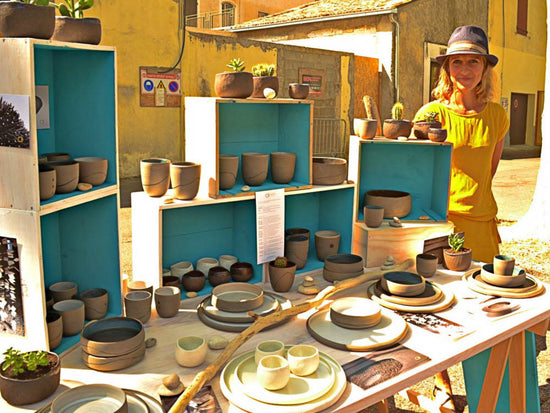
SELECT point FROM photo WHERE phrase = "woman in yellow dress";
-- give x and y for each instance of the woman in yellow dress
(476, 126)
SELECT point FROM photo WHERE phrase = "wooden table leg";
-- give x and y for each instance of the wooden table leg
(516, 370)
(493, 376)
(383, 406)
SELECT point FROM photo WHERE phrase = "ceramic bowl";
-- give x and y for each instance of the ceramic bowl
(170, 281)
(140, 286)
(66, 176)
(47, 181)
(63, 290)
(56, 156)
(303, 359)
(190, 351)
(403, 283)
(297, 231)
(180, 268)
(237, 297)
(273, 372)
(73, 315)
(333, 276)
(115, 362)
(355, 312)
(437, 134)
(329, 171)
(298, 90)
(227, 261)
(92, 170)
(218, 275)
(102, 398)
(193, 281)
(241, 271)
(204, 264)
(113, 336)
(268, 348)
(344, 263)
(515, 280)
(395, 203)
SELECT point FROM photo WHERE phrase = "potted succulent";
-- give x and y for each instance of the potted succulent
(264, 77)
(396, 126)
(421, 128)
(28, 377)
(27, 18)
(71, 26)
(457, 258)
(281, 274)
(234, 84)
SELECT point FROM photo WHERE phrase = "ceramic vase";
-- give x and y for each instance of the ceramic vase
(137, 304)
(282, 278)
(185, 177)
(283, 165)
(96, 302)
(155, 176)
(66, 176)
(167, 301)
(365, 128)
(193, 281)
(72, 314)
(55, 329)
(47, 181)
(503, 265)
(326, 244)
(296, 250)
(92, 170)
(241, 271)
(298, 90)
(426, 265)
(218, 275)
(228, 166)
(254, 167)
(373, 215)
(63, 290)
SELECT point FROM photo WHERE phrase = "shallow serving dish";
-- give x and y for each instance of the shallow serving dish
(237, 297)
(517, 278)
(91, 398)
(403, 283)
(355, 312)
(348, 263)
(113, 336)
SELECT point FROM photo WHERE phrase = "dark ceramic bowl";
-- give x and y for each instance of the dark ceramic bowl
(170, 281)
(241, 271)
(297, 231)
(218, 275)
(193, 280)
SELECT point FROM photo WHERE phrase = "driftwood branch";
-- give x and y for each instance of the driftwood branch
(262, 322)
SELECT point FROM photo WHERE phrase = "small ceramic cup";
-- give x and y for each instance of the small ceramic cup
(140, 286)
(374, 215)
(137, 304)
(72, 314)
(204, 264)
(297, 250)
(228, 168)
(190, 351)
(268, 348)
(185, 178)
(273, 372)
(181, 268)
(155, 176)
(96, 302)
(503, 265)
(55, 329)
(64, 290)
(167, 301)
(426, 265)
(227, 261)
(254, 167)
(303, 359)
(283, 165)
(326, 244)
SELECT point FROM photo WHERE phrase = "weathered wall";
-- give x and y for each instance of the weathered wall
(365, 83)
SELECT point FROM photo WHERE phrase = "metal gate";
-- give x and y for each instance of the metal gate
(330, 137)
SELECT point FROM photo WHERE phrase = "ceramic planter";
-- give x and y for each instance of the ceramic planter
(18, 19)
(329, 171)
(282, 278)
(283, 165)
(395, 128)
(421, 129)
(193, 281)
(365, 128)
(185, 177)
(47, 181)
(55, 329)
(298, 90)
(262, 82)
(86, 30)
(395, 203)
(437, 134)
(254, 167)
(373, 215)
(326, 244)
(297, 231)
(92, 170)
(170, 281)
(228, 166)
(66, 176)
(96, 302)
(457, 261)
(56, 156)
(234, 85)
(19, 392)
(155, 176)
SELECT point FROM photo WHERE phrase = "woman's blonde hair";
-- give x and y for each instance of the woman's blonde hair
(486, 90)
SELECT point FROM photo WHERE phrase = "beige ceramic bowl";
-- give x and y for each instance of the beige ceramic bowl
(63, 290)
(112, 336)
(403, 283)
(268, 348)
(303, 359)
(102, 398)
(237, 297)
(329, 171)
(515, 280)
(395, 203)
(190, 351)
(355, 312)
(273, 372)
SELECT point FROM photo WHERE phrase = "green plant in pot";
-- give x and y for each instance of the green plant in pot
(234, 84)
(264, 78)
(72, 26)
(27, 18)
(281, 274)
(457, 258)
(28, 377)
(397, 126)
(421, 127)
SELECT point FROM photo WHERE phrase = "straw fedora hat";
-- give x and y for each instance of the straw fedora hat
(468, 40)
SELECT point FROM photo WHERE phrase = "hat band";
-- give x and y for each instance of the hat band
(466, 46)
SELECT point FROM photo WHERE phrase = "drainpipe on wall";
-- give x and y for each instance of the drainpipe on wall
(396, 55)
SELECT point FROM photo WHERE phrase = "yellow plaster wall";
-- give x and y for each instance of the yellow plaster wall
(345, 89)
(248, 10)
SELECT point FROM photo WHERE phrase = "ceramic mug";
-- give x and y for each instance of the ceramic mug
(185, 178)
(137, 304)
(190, 351)
(181, 268)
(503, 265)
(155, 176)
(64, 290)
(96, 302)
(167, 301)
(426, 265)
(303, 359)
(273, 372)
(72, 314)
(374, 215)
(326, 244)
(140, 286)
(268, 348)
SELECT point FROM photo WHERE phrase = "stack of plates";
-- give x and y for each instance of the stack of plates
(530, 287)
(312, 393)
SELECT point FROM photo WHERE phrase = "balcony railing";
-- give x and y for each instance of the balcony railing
(211, 20)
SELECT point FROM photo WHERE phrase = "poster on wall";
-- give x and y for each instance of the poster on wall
(42, 107)
(159, 87)
(11, 297)
(315, 78)
(14, 121)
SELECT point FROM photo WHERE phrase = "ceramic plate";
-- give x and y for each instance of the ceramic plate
(444, 302)
(432, 294)
(298, 390)
(229, 385)
(471, 279)
(153, 404)
(389, 330)
(269, 305)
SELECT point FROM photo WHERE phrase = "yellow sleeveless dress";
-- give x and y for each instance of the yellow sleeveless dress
(472, 207)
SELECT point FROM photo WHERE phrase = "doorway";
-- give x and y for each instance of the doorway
(518, 118)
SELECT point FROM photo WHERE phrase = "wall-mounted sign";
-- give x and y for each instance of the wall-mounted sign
(160, 88)
(315, 78)
(11, 297)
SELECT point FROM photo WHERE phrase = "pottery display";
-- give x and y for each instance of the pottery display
(113, 336)
(422, 128)
(137, 304)
(140, 286)
(237, 296)
(185, 178)
(355, 312)
(283, 165)
(180, 268)
(55, 329)
(204, 264)
(298, 90)
(344, 263)
(56, 156)
(329, 171)
(270, 305)
(326, 244)
(297, 231)
(241, 271)
(392, 128)
(503, 265)
(227, 261)
(170, 281)
(218, 275)
(228, 166)
(437, 134)
(373, 215)
(167, 301)
(403, 283)
(297, 249)
(96, 302)
(47, 181)
(92, 170)
(426, 265)
(63, 290)
(303, 359)
(72, 314)
(395, 203)
(365, 128)
(260, 83)
(254, 167)
(77, 30)
(155, 176)
(191, 351)
(516, 279)
(66, 175)
(268, 348)
(193, 280)
(91, 397)
(282, 278)
(234, 84)
(273, 372)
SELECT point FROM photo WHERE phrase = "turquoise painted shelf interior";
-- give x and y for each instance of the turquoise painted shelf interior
(266, 127)
(80, 244)
(81, 86)
(423, 170)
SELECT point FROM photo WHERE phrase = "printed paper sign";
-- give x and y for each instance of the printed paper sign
(270, 224)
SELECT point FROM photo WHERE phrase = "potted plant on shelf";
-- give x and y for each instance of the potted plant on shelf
(457, 258)
(397, 126)
(281, 274)
(71, 26)
(27, 18)
(264, 77)
(235, 84)
(422, 127)
(28, 377)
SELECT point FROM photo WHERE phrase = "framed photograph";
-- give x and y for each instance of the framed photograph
(315, 78)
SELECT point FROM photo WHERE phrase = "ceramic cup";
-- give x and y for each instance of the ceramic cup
(283, 165)
(303, 359)
(140, 286)
(137, 304)
(96, 302)
(92, 169)
(426, 265)
(296, 250)
(72, 314)
(167, 301)
(185, 178)
(365, 128)
(227, 261)
(190, 351)
(193, 280)
(228, 168)
(273, 372)
(204, 264)
(181, 268)
(155, 176)
(254, 167)
(503, 265)
(241, 271)
(326, 244)
(66, 176)
(47, 181)
(374, 215)
(55, 329)
(268, 348)
(64, 290)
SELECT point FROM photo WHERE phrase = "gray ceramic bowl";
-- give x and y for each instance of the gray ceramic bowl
(515, 280)
(344, 263)
(403, 283)
(113, 336)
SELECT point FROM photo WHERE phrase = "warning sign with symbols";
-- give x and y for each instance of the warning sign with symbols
(160, 87)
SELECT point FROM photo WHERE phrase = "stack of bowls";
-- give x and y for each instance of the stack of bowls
(355, 313)
(342, 266)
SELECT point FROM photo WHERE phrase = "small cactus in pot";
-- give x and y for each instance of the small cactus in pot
(281, 274)
(422, 127)
(234, 84)
(397, 126)
(264, 78)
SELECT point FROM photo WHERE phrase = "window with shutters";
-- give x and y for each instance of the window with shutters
(521, 27)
